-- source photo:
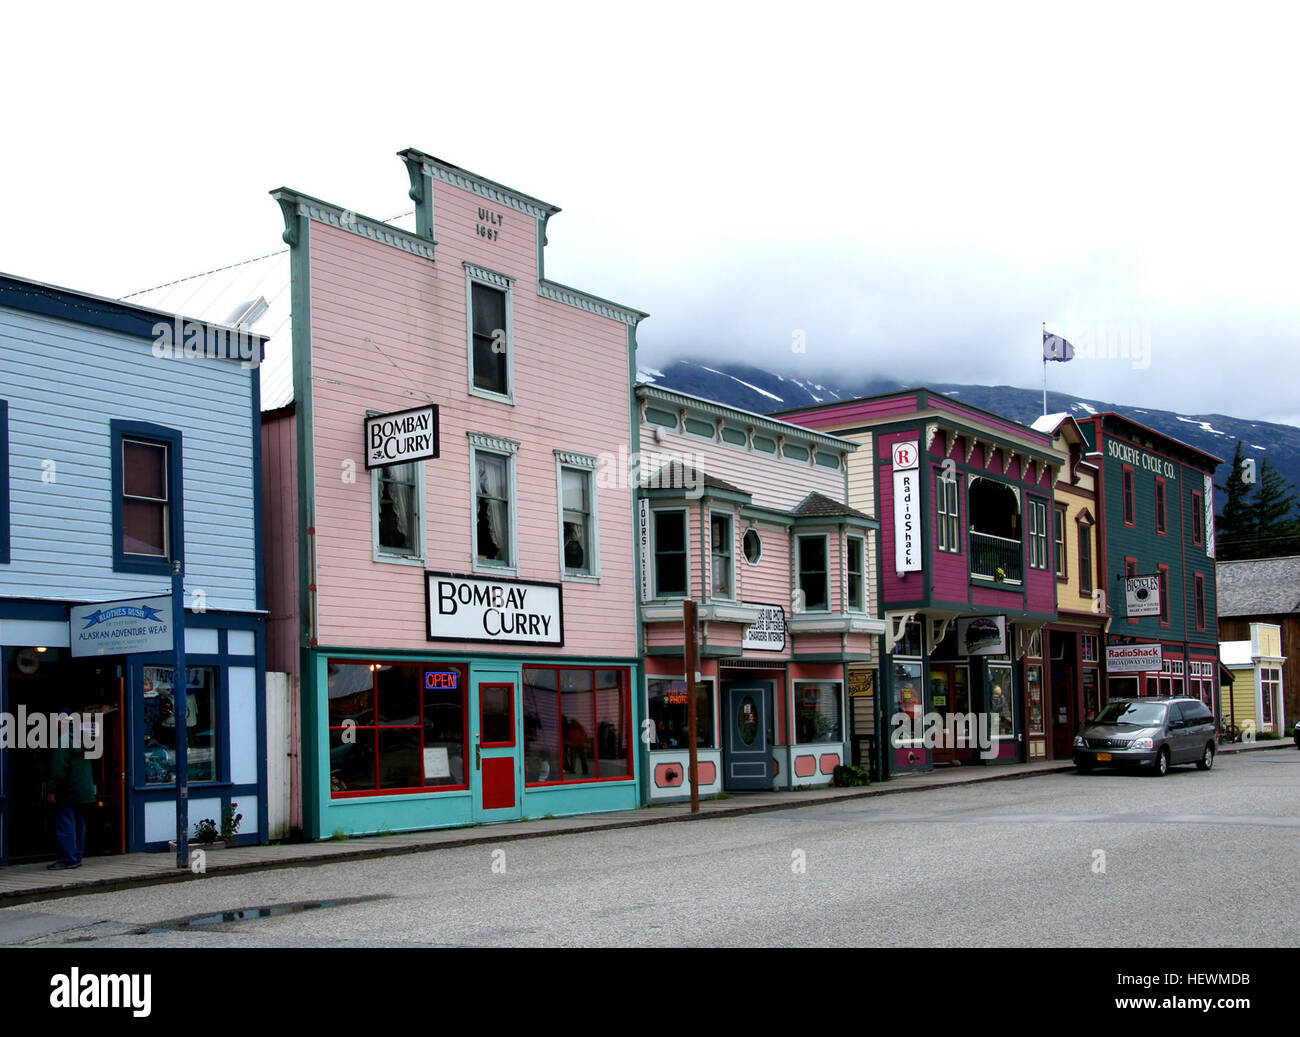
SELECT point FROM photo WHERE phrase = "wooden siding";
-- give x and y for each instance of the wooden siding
(280, 521)
(65, 382)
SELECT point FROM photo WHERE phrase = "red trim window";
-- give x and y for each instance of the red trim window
(1163, 573)
(577, 725)
(1162, 503)
(496, 715)
(1198, 519)
(1200, 602)
(1085, 557)
(1131, 569)
(396, 727)
(1130, 491)
(1062, 563)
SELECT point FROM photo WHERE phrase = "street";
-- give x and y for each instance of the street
(1192, 859)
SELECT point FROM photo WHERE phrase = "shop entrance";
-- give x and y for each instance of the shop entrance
(1065, 709)
(497, 784)
(40, 684)
(747, 736)
(949, 696)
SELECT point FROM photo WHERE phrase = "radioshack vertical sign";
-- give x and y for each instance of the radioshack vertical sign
(907, 507)
(477, 608)
(408, 435)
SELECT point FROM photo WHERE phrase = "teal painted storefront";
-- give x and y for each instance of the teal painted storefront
(332, 813)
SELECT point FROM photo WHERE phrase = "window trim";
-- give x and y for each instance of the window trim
(1161, 507)
(1202, 611)
(1166, 606)
(798, 568)
(143, 431)
(866, 597)
(1060, 514)
(1127, 574)
(1037, 506)
(388, 555)
(945, 521)
(757, 536)
(582, 463)
(491, 279)
(794, 702)
(714, 715)
(1087, 573)
(4, 483)
(731, 554)
(632, 732)
(654, 553)
(1198, 518)
(497, 447)
(1129, 499)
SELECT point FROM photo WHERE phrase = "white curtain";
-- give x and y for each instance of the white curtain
(492, 484)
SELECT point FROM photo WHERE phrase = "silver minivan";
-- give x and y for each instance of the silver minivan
(1154, 732)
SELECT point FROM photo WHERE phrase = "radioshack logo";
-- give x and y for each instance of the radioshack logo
(93, 990)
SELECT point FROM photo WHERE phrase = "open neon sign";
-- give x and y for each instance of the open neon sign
(442, 680)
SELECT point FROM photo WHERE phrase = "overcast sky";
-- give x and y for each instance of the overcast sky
(912, 188)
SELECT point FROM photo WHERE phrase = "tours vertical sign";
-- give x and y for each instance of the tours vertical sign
(907, 506)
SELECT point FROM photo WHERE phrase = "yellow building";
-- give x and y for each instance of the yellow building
(1254, 702)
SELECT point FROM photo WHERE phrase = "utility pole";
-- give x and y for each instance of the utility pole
(180, 710)
(690, 615)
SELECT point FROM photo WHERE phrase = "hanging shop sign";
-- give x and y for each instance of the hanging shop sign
(907, 506)
(477, 608)
(643, 545)
(767, 634)
(1142, 595)
(1134, 658)
(121, 627)
(982, 635)
(406, 435)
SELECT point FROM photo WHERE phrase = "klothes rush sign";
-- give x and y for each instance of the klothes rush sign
(478, 608)
(407, 435)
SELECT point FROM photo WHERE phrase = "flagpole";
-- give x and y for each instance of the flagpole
(1044, 371)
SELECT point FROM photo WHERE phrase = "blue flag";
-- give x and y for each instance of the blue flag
(1056, 348)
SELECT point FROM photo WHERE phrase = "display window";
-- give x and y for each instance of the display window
(577, 724)
(818, 709)
(667, 705)
(159, 724)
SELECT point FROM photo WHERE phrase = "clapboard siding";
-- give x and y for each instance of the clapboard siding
(280, 512)
(389, 331)
(65, 382)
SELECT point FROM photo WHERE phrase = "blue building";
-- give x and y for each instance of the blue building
(129, 441)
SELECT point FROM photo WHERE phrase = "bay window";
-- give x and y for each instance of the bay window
(722, 551)
(814, 587)
(856, 558)
(672, 576)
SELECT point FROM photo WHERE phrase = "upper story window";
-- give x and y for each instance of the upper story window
(398, 494)
(752, 544)
(1062, 569)
(856, 561)
(722, 552)
(1085, 557)
(4, 482)
(949, 522)
(1200, 602)
(671, 563)
(579, 541)
(1037, 534)
(148, 530)
(1198, 519)
(814, 586)
(491, 346)
(1130, 505)
(492, 461)
(1163, 574)
(1161, 520)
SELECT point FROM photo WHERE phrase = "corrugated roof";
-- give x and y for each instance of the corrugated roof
(1258, 586)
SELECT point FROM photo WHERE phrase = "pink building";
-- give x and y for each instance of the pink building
(453, 583)
(750, 517)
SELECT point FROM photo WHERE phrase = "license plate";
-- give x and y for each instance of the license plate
(1103, 757)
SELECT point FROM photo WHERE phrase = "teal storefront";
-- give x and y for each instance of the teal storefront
(405, 741)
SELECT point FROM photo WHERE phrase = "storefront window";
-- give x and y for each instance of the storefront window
(1091, 694)
(576, 724)
(160, 724)
(1034, 695)
(667, 701)
(907, 696)
(1000, 698)
(817, 712)
(396, 726)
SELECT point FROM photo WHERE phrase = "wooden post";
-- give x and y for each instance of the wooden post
(690, 613)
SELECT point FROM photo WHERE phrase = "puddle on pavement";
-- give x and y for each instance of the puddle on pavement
(248, 914)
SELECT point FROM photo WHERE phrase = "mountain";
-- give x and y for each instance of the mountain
(754, 389)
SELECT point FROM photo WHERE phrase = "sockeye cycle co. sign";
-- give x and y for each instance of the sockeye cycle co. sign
(477, 608)
(406, 435)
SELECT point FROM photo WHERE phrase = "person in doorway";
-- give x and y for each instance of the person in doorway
(71, 788)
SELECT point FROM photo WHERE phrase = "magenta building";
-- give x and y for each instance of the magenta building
(967, 566)
(451, 569)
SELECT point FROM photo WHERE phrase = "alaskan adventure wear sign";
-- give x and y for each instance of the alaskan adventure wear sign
(476, 608)
(121, 627)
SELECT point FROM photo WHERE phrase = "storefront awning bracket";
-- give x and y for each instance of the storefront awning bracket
(1024, 631)
(939, 624)
(896, 625)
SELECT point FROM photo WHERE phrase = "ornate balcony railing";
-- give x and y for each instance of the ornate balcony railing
(999, 559)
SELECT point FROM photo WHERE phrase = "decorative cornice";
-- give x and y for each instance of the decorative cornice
(485, 188)
(294, 204)
(576, 460)
(498, 443)
(591, 303)
(480, 273)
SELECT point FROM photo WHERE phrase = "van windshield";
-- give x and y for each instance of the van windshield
(1141, 714)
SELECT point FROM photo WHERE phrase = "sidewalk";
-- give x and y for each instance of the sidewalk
(25, 883)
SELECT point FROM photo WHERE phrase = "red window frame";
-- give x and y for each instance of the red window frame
(1162, 507)
(511, 700)
(1060, 543)
(1086, 565)
(1131, 569)
(376, 727)
(1130, 496)
(1200, 602)
(1198, 519)
(625, 705)
(1165, 611)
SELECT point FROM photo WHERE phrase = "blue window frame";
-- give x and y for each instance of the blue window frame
(137, 433)
(4, 482)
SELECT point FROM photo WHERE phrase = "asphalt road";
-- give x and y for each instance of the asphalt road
(1192, 859)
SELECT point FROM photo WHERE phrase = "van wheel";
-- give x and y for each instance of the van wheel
(1207, 758)
(1162, 763)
